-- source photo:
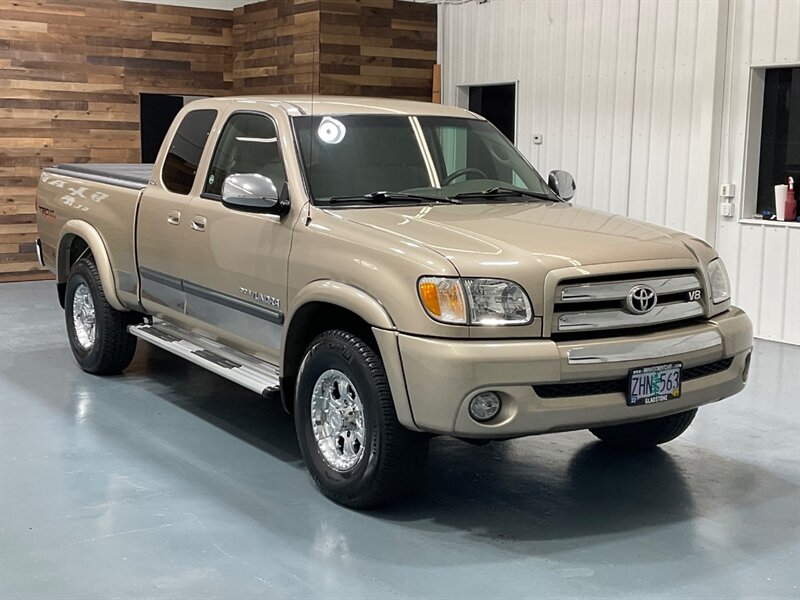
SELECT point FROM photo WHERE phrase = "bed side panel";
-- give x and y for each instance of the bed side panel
(109, 209)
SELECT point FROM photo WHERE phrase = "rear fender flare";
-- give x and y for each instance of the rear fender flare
(75, 228)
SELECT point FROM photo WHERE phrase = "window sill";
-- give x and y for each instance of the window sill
(769, 223)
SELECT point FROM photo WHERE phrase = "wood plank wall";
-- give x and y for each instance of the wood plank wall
(71, 72)
(377, 48)
(275, 47)
(70, 77)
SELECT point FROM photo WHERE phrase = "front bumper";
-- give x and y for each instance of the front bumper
(441, 377)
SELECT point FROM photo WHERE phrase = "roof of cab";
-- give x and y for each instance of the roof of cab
(343, 105)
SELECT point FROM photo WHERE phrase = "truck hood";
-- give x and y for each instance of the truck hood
(484, 239)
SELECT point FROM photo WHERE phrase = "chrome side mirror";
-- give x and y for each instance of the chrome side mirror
(562, 184)
(252, 192)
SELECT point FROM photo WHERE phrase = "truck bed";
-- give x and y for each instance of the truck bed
(133, 176)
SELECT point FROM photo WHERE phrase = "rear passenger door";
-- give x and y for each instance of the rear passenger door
(164, 211)
(236, 262)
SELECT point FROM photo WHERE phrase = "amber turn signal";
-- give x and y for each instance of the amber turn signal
(443, 299)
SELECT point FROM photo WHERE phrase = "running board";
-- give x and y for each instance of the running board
(256, 375)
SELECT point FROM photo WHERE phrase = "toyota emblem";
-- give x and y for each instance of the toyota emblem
(641, 299)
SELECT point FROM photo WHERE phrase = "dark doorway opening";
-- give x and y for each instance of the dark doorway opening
(498, 104)
(156, 112)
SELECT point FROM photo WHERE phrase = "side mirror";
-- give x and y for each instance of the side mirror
(562, 184)
(253, 192)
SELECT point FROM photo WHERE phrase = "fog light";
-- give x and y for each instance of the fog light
(485, 406)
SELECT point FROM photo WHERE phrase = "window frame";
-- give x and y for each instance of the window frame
(748, 203)
(211, 129)
(218, 197)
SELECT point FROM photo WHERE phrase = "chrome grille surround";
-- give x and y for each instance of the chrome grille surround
(600, 305)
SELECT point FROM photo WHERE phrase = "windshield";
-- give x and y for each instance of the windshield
(350, 156)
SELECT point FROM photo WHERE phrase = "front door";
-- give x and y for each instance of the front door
(163, 213)
(236, 262)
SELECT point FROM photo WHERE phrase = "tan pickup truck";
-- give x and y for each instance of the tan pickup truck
(392, 270)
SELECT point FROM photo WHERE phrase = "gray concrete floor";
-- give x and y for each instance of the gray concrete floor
(168, 482)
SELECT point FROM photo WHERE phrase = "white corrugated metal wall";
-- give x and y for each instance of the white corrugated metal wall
(763, 260)
(628, 95)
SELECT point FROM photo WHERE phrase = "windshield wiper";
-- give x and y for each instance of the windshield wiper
(501, 192)
(386, 197)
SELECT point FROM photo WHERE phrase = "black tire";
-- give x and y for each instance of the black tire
(646, 434)
(393, 458)
(113, 347)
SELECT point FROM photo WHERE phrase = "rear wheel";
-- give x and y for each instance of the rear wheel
(356, 450)
(98, 333)
(646, 434)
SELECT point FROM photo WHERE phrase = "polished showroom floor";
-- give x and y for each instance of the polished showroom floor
(168, 482)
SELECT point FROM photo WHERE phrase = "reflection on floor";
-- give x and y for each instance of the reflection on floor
(170, 482)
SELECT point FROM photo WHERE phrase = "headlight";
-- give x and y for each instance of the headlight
(475, 301)
(720, 284)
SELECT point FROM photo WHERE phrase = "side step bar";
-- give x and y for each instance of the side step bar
(256, 375)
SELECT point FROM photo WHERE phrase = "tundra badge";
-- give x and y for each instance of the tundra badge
(263, 298)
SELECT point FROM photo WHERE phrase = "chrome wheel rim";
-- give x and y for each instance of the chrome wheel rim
(337, 418)
(83, 316)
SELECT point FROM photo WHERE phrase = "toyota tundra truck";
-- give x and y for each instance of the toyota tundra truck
(391, 270)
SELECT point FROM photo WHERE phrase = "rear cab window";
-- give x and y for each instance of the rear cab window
(180, 165)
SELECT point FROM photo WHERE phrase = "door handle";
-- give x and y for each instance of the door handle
(174, 217)
(198, 223)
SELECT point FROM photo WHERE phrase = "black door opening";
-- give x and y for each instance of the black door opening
(156, 113)
(498, 104)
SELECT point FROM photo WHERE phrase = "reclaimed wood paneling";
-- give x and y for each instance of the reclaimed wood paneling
(70, 77)
(377, 48)
(349, 47)
(276, 45)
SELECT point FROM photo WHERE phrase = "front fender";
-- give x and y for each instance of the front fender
(347, 296)
(368, 308)
(76, 228)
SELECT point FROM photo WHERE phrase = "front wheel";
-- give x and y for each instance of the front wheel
(98, 334)
(357, 452)
(646, 434)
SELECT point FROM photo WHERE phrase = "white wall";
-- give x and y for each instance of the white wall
(575, 82)
(631, 97)
(763, 260)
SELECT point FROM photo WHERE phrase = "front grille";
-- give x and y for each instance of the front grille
(620, 386)
(600, 304)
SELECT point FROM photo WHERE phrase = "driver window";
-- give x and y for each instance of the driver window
(248, 144)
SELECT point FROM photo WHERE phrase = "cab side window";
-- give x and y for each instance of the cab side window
(180, 165)
(248, 144)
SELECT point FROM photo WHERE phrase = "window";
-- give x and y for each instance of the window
(779, 156)
(457, 144)
(156, 113)
(248, 144)
(180, 165)
(359, 154)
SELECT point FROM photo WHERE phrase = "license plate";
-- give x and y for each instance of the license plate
(657, 383)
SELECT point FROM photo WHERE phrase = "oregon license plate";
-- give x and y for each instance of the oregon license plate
(657, 383)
